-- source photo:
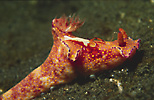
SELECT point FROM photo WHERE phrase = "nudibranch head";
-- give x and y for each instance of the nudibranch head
(67, 24)
(126, 45)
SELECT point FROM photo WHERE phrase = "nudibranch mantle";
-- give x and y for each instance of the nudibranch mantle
(71, 56)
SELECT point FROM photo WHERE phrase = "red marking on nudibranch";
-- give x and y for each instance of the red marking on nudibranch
(70, 56)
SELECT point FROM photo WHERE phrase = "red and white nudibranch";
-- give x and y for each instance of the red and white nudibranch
(71, 56)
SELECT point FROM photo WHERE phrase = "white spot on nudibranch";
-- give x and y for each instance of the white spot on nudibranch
(85, 41)
(44, 78)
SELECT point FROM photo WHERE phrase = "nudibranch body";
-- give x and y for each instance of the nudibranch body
(71, 56)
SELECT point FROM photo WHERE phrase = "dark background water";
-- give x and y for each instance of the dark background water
(25, 42)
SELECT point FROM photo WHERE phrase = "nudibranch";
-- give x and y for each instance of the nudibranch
(71, 56)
